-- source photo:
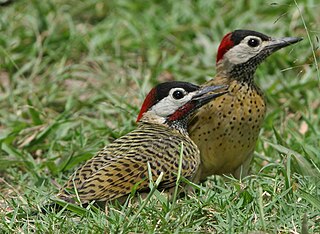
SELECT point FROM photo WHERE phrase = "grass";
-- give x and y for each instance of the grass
(72, 77)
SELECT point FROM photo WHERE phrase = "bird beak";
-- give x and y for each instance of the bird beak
(278, 43)
(203, 96)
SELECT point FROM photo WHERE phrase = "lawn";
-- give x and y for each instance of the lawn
(74, 73)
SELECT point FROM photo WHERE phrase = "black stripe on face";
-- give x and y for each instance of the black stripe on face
(164, 88)
(238, 35)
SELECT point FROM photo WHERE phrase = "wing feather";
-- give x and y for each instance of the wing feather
(116, 169)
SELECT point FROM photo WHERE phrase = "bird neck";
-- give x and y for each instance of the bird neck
(150, 118)
(180, 125)
(243, 72)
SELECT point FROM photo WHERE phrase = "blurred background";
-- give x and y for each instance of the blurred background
(74, 73)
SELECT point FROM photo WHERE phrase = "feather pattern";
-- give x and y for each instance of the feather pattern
(118, 167)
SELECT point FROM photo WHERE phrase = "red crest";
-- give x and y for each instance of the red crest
(225, 45)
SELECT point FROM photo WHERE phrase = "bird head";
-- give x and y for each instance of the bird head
(241, 51)
(172, 103)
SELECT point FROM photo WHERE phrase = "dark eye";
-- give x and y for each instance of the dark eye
(253, 42)
(178, 94)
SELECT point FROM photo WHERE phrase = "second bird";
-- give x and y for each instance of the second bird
(162, 127)
(226, 130)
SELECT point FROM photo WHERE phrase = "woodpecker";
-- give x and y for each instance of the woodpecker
(226, 130)
(162, 127)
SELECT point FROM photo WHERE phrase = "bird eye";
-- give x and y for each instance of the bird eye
(253, 42)
(178, 94)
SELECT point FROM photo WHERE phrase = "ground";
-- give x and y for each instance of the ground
(74, 73)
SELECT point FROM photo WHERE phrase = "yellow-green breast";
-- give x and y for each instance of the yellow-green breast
(226, 129)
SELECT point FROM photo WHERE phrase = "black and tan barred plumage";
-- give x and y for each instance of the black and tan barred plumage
(121, 165)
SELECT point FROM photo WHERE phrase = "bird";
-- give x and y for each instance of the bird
(226, 129)
(162, 127)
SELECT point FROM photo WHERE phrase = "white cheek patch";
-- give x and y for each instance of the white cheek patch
(241, 53)
(164, 108)
(169, 105)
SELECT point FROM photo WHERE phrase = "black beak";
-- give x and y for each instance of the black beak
(203, 96)
(278, 43)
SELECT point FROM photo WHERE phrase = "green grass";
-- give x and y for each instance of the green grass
(72, 77)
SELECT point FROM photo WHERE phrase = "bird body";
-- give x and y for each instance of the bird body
(123, 163)
(162, 129)
(226, 130)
